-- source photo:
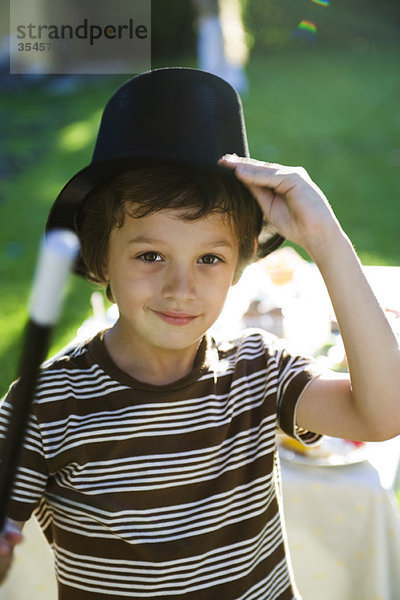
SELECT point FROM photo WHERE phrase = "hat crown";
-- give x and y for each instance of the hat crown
(172, 114)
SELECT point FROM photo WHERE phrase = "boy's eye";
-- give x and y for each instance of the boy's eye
(150, 257)
(210, 259)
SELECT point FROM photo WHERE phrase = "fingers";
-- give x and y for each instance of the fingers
(247, 165)
(234, 161)
(10, 537)
(282, 179)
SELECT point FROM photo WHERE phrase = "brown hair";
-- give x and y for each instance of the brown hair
(146, 189)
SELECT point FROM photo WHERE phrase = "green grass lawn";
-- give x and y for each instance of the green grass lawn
(335, 112)
(47, 137)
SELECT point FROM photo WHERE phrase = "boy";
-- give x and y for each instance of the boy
(150, 461)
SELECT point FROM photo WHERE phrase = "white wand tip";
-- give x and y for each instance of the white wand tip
(59, 249)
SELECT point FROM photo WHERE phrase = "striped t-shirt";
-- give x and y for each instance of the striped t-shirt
(163, 491)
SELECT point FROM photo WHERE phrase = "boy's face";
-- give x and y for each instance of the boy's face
(170, 277)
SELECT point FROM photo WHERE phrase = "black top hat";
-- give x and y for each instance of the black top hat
(173, 114)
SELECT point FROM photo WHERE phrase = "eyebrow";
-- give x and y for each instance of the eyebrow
(144, 239)
(217, 243)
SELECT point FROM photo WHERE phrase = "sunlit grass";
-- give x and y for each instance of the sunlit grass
(337, 114)
(78, 135)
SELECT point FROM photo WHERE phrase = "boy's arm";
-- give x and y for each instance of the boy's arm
(368, 408)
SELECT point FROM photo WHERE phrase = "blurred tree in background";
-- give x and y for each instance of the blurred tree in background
(270, 23)
(172, 29)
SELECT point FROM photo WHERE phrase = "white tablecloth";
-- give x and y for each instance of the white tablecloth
(343, 527)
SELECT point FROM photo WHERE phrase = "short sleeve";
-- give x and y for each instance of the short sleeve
(31, 476)
(294, 374)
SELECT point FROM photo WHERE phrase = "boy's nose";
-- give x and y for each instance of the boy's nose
(179, 284)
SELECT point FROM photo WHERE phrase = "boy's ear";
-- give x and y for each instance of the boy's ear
(104, 270)
(255, 248)
(242, 265)
(237, 275)
(109, 294)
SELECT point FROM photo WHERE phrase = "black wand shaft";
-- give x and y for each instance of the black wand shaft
(34, 352)
(58, 253)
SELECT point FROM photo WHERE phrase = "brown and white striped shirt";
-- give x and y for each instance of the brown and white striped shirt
(163, 491)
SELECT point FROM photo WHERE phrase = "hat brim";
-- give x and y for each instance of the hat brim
(64, 211)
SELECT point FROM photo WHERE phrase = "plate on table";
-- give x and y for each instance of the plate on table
(331, 452)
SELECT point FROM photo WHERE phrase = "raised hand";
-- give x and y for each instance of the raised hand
(289, 199)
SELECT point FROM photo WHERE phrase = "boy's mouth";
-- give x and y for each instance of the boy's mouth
(175, 318)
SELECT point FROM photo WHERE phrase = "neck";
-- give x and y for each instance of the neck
(154, 366)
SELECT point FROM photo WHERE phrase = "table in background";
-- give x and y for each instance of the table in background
(343, 527)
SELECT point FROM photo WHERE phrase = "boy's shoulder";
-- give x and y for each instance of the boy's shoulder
(76, 360)
(260, 349)
(74, 353)
(68, 362)
(75, 373)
